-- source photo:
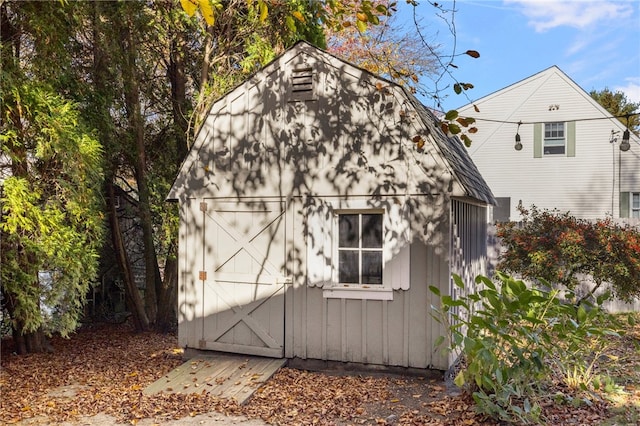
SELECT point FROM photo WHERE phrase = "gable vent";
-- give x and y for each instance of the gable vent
(302, 84)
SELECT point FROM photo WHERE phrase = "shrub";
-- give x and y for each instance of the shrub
(561, 248)
(516, 341)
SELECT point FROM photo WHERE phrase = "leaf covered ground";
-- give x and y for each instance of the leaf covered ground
(104, 371)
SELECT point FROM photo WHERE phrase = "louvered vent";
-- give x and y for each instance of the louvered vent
(302, 84)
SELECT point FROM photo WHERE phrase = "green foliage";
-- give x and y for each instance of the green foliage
(301, 19)
(52, 223)
(259, 53)
(619, 105)
(563, 249)
(515, 341)
(329, 12)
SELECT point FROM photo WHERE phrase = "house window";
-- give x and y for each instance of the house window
(502, 210)
(554, 139)
(360, 257)
(635, 204)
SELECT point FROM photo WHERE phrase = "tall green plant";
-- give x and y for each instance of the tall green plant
(515, 341)
(52, 224)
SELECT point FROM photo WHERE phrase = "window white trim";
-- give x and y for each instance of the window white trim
(554, 138)
(353, 292)
(360, 249)
(634, 204)
(336, 289)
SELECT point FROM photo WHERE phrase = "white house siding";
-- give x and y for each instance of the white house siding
(586, 185)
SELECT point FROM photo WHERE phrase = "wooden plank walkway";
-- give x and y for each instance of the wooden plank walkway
(228, 376)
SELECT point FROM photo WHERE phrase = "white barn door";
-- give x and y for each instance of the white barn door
(243, 285)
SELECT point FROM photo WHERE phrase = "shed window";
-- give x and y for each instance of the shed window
(554, 139)
(360, 249)
(360, 245)
(635, 204)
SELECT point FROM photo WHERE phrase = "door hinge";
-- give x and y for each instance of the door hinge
(202, 275)
(203, 207)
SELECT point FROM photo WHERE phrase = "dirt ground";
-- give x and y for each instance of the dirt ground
(388, 400)
(404, 399)
(97, 377)
(101, 419)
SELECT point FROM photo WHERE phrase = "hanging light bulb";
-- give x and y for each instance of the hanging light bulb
(518, 145)
(625, 145)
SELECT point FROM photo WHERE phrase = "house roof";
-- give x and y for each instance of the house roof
(542, 77)
(451, 148)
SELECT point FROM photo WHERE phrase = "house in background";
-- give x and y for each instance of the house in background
(568, 155)
(317, 205)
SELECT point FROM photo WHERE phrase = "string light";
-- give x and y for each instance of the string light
(546, 121)
(624, 145)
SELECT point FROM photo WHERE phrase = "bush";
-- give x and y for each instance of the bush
(516, 342)
(561, 249)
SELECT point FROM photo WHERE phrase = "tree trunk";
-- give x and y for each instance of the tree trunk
(25, 343)
(168, 294)
(201, 104)
(136, 127)
(30, 343)
(102, 58)
(134, 300)
(179, 102)
(152, 273)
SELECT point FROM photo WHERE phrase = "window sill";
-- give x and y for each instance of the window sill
(357, 293)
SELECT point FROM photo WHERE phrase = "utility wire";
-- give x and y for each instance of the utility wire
(547, 121)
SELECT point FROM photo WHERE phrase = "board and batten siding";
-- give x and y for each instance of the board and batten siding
(398, 332)
(585, 183)
(190, 288)
(469, 240)
(355, 142)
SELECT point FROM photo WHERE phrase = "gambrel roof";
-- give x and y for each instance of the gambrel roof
(456, 154)
(268, 88)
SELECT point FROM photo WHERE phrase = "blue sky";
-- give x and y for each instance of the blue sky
(595, 42)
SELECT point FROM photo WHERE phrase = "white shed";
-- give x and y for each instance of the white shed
(317, 205)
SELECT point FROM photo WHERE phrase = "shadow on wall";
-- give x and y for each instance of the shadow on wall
(274, 162)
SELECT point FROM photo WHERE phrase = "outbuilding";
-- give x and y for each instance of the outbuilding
(317, 205)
